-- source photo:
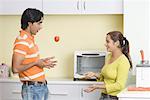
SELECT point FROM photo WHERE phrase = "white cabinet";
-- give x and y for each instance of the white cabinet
(136, 28)
(10, 91)
(16, 7)
(82, 6)
(102, 6)
(63, 92)
(0, 92)
(95, 95)
(58, 90)
(142, 76)
(71, 92)
(61, 7)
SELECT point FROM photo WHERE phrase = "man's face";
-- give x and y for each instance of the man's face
(35, 27)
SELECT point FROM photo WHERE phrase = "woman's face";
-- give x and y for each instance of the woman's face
(110, 44)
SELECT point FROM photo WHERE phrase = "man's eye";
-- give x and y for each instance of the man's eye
(39, 22)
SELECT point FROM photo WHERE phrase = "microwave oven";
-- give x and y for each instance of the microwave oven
(87, 61)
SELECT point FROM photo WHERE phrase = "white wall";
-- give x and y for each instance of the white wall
(137, 28)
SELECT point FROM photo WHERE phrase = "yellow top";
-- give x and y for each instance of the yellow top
(115, 75)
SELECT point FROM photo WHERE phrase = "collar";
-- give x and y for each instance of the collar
(28, 34)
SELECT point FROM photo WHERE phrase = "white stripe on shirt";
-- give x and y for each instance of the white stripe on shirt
(22, 37)
(32, 77)
(20, 51)
(32, 55)
(25, 43)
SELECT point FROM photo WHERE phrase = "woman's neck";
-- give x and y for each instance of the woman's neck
(116, 53)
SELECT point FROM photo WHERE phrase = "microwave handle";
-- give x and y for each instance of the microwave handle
(92, 56)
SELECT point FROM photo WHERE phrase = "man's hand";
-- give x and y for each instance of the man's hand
(47, 62)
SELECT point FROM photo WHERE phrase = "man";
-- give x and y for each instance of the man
(26, 60)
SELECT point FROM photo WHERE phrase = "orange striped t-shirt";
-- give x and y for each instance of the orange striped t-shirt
(25, 45)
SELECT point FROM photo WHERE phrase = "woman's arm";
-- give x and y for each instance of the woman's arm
(94, 87)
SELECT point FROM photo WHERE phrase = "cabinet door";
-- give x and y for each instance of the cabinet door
(61, 7)
(0, 91)
(16, 7)
(82, 7)
(95, 95)
(142, 76)
(102, 6)
(11, 91)
(136, 28)
(63, 92)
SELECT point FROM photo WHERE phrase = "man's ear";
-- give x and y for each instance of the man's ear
(29, 23)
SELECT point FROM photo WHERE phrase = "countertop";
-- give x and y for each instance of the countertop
(54, 81)
(134, 94)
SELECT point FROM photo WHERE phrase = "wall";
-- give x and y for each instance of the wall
(137, 29)
(77, 32)
(1, 40)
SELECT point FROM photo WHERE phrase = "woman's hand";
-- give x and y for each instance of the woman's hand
(90, 89)
(90, 75)
(94, 87)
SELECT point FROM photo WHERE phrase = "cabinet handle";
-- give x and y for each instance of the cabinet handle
(82, 92)
(63, 94)
(84, 4)
(142, 74)
(16, 92)
(78, 5)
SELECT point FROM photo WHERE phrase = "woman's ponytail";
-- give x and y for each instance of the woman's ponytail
(125, 49)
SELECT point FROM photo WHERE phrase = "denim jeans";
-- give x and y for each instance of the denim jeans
(107, 97)
(35, 92)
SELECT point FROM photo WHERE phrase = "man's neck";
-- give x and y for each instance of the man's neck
(28, 31)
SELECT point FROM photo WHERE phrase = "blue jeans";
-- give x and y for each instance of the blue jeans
(108, 97)
(34, 92)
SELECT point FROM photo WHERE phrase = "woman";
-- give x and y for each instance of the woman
(114, 73)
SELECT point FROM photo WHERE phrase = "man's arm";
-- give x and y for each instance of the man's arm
(17, 65)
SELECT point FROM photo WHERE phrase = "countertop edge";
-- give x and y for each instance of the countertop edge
(53, 81)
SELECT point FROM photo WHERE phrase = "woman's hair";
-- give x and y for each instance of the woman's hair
(124, 43)
(30, 15)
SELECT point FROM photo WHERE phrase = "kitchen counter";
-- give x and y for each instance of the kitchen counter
(54, 81)
(59, 89)
(134, 95)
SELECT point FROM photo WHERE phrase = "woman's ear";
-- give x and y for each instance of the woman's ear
(117, 43)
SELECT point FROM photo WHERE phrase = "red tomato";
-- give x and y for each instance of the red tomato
(56, 38)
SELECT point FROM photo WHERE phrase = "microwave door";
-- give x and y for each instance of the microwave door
(87, 63)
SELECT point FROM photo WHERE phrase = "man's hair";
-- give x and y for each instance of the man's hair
(30, 15)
